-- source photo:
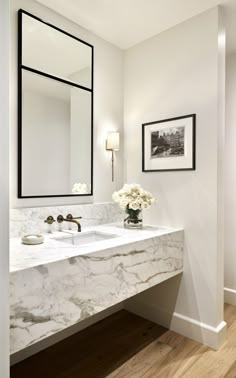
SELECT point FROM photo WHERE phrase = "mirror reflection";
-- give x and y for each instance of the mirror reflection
(56, 137)
(51, 51)
(55, 112)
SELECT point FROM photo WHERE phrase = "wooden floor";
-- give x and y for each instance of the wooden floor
(125, 345)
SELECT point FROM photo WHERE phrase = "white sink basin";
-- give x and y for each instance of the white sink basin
(85, 238)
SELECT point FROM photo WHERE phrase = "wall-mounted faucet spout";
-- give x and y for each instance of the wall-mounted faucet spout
(70, 218)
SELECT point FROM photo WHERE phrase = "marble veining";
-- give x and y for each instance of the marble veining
(48, 295)
(31, 220)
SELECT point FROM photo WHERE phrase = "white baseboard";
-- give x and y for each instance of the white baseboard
(198, 331)
(230, 296)
(191, 328)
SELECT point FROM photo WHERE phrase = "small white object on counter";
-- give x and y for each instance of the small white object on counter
(32, 239)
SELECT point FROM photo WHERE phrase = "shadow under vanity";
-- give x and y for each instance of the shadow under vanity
(73, 275)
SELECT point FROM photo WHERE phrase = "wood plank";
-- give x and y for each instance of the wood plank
(150, 356)
(216, 363)
(93, 352)
(142, 361)
(171, 338)
(177, 361)
(125, 345)
(231, 373)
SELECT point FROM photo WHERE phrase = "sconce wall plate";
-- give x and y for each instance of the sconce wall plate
(113, 144)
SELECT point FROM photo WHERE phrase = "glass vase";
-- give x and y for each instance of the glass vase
(133, 219)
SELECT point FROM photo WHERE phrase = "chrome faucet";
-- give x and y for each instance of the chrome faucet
(70, 218)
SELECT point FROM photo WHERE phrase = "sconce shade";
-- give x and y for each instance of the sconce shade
(113, 141)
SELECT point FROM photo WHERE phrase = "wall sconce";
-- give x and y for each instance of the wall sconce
(113, 144)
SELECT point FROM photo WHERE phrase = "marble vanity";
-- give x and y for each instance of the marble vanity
(57, 284)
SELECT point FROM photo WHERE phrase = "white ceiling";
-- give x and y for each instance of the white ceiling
(128, 22)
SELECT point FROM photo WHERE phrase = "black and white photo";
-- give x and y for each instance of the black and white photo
(169, 144)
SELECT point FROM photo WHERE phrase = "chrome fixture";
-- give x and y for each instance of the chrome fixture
(70, 218)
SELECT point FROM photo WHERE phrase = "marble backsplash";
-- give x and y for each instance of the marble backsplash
(31, 220)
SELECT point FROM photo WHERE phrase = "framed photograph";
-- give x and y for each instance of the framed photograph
(169, 144)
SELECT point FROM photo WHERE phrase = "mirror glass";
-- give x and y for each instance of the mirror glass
(56, 136)
(55, 115)
(49, 50)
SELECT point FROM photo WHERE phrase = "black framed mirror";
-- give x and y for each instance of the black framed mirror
(55, 111)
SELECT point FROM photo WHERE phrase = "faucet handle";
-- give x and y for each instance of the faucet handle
(60, 218)
(70, 216)
(49, 220)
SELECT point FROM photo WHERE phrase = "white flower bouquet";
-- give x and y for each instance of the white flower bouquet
(133, 199)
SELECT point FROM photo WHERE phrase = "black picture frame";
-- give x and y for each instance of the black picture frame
(22, 67)
(193, 160)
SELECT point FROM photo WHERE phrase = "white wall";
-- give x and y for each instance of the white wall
(108, 106)
(4, 169)
(230, 181)
(172, 74)
(80, 132)
(46, 144)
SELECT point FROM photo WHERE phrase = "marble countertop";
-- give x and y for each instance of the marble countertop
(55, 285)
(52, 250)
